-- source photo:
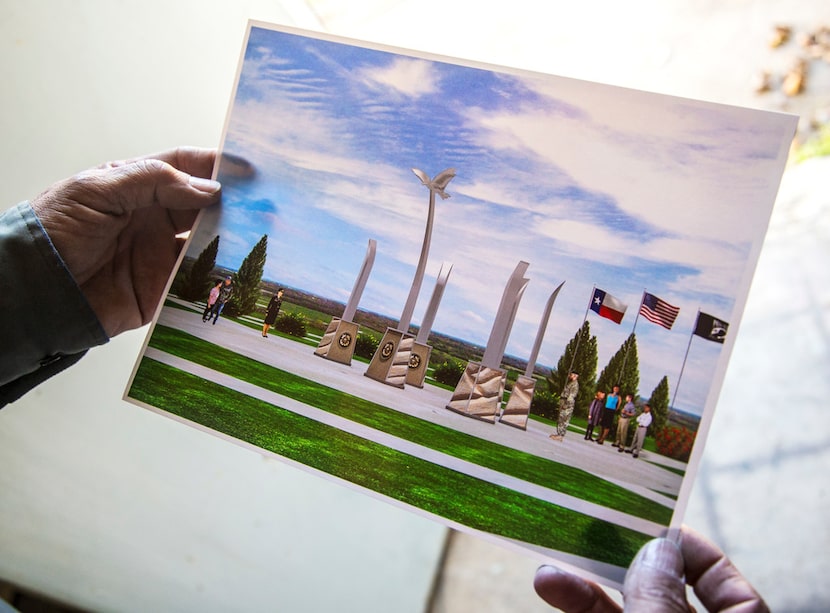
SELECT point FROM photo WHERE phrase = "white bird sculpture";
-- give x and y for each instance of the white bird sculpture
(439, 183)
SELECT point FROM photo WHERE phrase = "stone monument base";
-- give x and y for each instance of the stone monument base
(418, 362)
(517, 411)
(338, 341)
(391, 360)
(479, 392)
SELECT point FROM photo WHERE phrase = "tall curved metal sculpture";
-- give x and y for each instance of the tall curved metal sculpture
(391, 360)
(517, 410)
(480, 390)
(421, 352)
(339, 339)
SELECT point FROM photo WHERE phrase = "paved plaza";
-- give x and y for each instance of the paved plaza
(645, 476)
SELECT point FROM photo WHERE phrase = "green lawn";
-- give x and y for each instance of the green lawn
(531, 468)
(430, 487)
(676, 471)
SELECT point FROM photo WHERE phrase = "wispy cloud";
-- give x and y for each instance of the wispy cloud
(404, 76)
(590, 184)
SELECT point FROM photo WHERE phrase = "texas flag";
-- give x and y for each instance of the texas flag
(605, 305)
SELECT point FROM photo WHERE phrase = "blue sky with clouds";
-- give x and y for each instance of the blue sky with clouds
(590, 184)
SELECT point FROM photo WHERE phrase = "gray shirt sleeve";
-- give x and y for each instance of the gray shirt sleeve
(46, 324)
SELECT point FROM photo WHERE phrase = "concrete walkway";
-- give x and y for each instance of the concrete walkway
(645, 476)
(405, 446)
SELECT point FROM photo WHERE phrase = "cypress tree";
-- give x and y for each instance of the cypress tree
(247, 279)
(623, 369)
(581, 351)
(196, 283)
(659, 402)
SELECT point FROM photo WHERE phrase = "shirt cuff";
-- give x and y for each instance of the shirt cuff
(46, 323)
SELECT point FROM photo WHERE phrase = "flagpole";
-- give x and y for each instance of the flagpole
(579, 334)
(685, 357)
(625, 355)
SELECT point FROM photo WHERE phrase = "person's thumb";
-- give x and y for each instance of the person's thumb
(151, 182)
(655, 581)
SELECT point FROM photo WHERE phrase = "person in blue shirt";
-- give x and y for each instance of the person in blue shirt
(612, 403)
(90, 257)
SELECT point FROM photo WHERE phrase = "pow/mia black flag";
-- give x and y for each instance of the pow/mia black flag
(711, 328)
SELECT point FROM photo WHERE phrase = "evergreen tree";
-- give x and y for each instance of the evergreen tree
(623, 369)
(247, 279)
(581, 350)
(659, 403)
(196, 283)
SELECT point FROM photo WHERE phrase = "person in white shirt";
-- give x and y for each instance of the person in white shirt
(643, 422)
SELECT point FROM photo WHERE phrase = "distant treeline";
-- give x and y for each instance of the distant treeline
(443, 346)
(686, 420)
(441, 343)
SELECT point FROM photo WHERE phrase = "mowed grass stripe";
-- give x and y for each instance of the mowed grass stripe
(457, 497)
(519, 464)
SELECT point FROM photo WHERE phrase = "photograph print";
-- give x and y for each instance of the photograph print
(501, 299)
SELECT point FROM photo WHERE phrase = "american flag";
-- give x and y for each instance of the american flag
(658, 311)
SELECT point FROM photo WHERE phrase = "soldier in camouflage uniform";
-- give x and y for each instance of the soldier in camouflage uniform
(566, 406)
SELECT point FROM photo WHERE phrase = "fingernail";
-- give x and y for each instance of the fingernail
(661, 555)
(205, 185)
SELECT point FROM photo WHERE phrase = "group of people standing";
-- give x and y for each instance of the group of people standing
(601, 414)
(604, 408)
(221, 293)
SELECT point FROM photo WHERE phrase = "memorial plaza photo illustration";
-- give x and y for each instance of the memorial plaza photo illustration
(501, 299)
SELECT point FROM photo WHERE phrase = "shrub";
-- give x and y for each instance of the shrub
(365, 345)
(545, 404)
(291, 323)
(449, 372)
(675, 442)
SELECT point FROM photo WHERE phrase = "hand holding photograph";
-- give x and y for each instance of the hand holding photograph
(533, 356)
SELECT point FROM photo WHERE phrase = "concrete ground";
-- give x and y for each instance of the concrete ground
(647, 478)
